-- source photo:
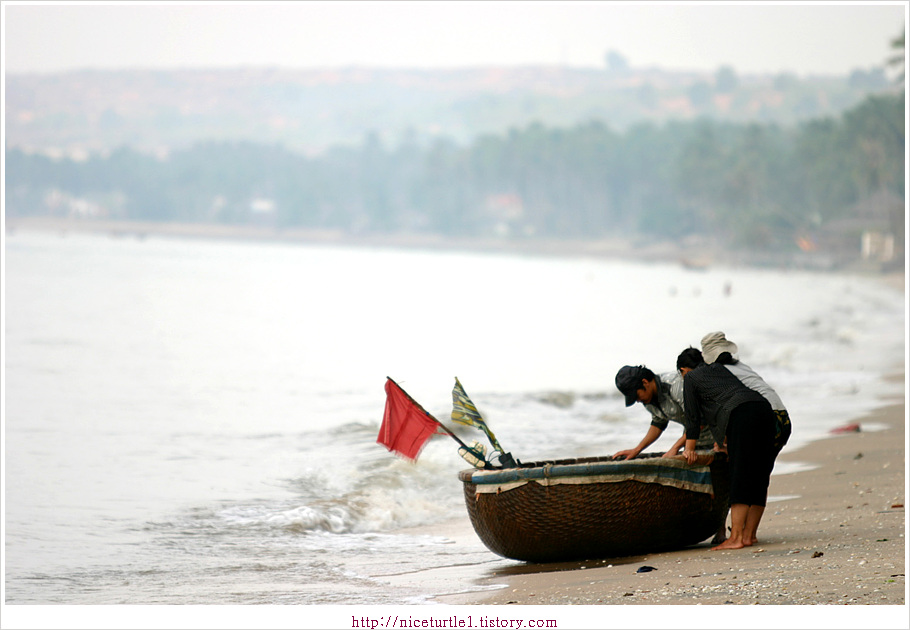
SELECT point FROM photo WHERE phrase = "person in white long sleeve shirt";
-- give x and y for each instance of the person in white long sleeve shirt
(715, 347)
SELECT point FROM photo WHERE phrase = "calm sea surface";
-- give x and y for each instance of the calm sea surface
(193, 422)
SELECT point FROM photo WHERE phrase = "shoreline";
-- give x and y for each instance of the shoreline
(835, 535)
(698, 254)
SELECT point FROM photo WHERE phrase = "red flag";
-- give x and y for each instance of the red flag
(406, 427)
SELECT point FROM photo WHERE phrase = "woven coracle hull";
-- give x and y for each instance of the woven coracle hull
(577, 509)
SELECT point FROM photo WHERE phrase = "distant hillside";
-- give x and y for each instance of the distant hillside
(84, 112)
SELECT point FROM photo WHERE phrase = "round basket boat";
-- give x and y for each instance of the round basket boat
(596, 507)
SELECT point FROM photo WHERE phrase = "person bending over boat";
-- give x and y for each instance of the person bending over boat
(715, 347)
(662, 396)
(742, 418)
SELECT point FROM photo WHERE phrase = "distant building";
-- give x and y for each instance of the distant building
(504, 212)
(263, 212)
(262, 207)
(59, 203)
(878, 246)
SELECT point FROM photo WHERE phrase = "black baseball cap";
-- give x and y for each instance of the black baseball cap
(628, 381)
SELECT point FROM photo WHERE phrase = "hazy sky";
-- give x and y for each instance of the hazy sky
(826, 38)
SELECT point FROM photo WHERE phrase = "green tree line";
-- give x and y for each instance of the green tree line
(751, 185)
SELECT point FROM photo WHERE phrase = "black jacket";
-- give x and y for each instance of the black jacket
(711, 392)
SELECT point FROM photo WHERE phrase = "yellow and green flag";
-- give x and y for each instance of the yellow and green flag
(465, 412)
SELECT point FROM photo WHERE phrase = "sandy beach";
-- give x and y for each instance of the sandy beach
(834, 534)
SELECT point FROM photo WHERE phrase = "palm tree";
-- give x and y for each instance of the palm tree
(897, 60)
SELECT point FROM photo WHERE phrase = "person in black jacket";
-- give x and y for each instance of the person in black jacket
(714, 397)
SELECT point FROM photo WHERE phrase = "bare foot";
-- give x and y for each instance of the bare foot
(729, 544)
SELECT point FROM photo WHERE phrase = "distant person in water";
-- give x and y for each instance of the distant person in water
(662, 396)
(742, 419)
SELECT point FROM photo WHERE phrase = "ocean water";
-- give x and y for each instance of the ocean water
(195, 422)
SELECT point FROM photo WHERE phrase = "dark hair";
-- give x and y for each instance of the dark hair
(689, 358)
(725, 358)
(646, 374)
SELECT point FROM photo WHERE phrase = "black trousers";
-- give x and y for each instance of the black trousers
(750, 446)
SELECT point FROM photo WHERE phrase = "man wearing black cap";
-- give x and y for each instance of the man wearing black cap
(662, 396)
